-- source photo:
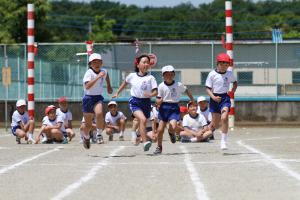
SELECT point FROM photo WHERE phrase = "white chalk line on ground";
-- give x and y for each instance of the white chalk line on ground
(91, 174)
(271, 138)
(275, 162)
(8, 168)
(199, 187)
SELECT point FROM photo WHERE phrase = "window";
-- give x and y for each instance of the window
(245, 77)
(296, 77)
(204, 77)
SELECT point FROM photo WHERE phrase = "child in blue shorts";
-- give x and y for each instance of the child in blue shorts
(169, 93)
(143, 87)
(93, 82)
(217, 86)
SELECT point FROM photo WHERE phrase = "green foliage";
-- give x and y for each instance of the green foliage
(68, 21)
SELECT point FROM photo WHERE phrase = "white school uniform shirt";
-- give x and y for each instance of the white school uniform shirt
(171, 93)
(67, 116)
(17, 117)
(97, 88)
(205, 113)
(110, 119)
(219, 83)
(196, 123)
(58, 119)
(141, 84)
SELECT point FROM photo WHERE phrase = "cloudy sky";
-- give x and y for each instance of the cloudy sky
(158, 3)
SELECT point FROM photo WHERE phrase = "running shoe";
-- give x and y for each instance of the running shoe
(158, 150)
(31, 141)
(172, 137)
(111, 137)
(44, 140)
(223, 145)
(86, 143)
(65, 141)
(121, 138)
(100, 139)
(147, 145)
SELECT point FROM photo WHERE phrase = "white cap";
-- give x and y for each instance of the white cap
(112, 103)
(201, 98)
(168, 68)
(95, 56)
(21, 102)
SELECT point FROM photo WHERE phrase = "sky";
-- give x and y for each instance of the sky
(159, 3)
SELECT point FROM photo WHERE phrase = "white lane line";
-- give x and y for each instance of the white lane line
(199, 187)
(5, 148)
(6, 169)
(91, 174)
(271, 138)
(275, 162)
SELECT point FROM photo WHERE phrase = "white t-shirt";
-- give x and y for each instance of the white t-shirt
(171, 93)
(205, 113)
(219, 83)
(141, 84)
(196, 123)
(17, 117)
(97, 88)
(67, 116)
(112, 120)
(58, 119)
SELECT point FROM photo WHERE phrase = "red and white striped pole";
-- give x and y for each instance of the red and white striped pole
(30, 58)
(229, 51)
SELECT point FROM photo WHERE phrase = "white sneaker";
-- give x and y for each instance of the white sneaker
(31, 141)
(223, 145)
(44, 140)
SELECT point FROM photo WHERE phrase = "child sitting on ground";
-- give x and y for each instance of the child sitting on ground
(21, 125)
(195, 126)
(52, 128)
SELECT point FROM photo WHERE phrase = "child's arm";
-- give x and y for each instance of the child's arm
(37, 140)
(91, 83)
(210, 93)
(190, 95)
(121, 88)
(108, 85)
(234, 86)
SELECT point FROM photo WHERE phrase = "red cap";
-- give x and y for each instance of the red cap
(223, 57)
(62, 99)
(183, 109)
(49, 108)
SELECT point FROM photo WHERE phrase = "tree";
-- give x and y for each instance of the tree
(102, 30)
(13, 20)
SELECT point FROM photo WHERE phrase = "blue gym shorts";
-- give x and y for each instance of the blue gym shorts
(142, 104)
(90, 101)
(168, 112)
(215, 107)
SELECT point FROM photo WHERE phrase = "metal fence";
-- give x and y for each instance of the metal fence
(263, 69)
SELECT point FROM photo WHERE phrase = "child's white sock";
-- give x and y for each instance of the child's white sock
(30, 136)
(224, 137)
(194, 139)
(122, 133)
(133, 134)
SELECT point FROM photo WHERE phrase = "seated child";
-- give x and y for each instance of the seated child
(204, 110)
(52, 128)
(21, 125)
(115, 121)
(195, 126)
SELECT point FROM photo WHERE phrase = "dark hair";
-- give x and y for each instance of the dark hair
(138, 59)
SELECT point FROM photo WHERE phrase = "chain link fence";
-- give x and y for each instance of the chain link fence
(263, 69)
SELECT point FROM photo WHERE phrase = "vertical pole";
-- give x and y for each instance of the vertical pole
(6, 90)
(30, 60)
(276, 66)
(229, 51)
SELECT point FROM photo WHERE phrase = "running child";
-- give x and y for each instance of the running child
(169, 93)
(217, 86)
(115, 121)
(64, 111)
(195, 126)
(92, 101)
(21, 125)
(143, 87)
(53, 129)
